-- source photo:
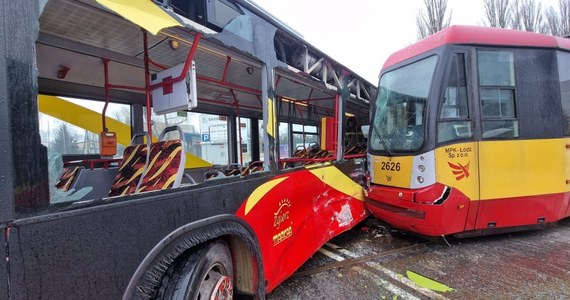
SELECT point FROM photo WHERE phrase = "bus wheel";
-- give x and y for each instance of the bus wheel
(206, 274)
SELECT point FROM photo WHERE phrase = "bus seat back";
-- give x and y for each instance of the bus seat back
(67, 177)
(166, 166)
(135, 160)
(167, 160)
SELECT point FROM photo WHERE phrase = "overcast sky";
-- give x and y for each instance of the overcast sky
(361, 34)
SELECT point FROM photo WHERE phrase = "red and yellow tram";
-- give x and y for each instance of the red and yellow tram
(470, 133)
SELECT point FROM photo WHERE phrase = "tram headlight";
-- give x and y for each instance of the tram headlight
(420, 179)
(421, 168)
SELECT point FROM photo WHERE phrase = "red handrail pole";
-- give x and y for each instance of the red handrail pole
(310, 95)
(126, 87)
(147, 85)
(108, 87)
(317, 99)
(152, 62)
(107, 92)
(226, 103)
(187, 64)
(229, 85)
(294, 159)
(302, 120)
(226, 68)
(149, 88)
(236, 103)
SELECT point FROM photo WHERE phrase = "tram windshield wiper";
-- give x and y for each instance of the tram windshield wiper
(382, 139)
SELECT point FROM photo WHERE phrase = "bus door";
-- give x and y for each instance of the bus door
(457, 150)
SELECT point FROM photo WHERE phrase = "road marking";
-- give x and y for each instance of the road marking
(331, 255)
(385, 284)
(395, 276)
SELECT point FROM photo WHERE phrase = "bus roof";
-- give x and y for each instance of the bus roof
(477, 35)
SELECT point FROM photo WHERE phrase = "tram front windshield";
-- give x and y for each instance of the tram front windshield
(399, 118)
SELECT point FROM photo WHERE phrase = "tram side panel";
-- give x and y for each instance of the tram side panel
(567, 172)
(522, 183)
(523, 178)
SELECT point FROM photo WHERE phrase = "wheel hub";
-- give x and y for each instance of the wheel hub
(216, 286)
(223, 289)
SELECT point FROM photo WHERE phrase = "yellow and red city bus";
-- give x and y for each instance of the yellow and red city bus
(147, 149)
(470, 133)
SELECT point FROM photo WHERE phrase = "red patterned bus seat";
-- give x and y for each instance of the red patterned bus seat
(166, 164)
(67, 177)
(133, 166)
(255, 166)
(164, 167)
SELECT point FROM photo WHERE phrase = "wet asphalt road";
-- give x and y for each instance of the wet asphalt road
(371, 262)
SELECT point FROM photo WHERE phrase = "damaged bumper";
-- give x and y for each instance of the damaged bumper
(432, 211)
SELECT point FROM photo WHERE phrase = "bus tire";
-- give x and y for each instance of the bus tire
(200, 273)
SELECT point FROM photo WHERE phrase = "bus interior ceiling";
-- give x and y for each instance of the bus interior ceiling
(78, 43)
(304, 99)
(76, 35)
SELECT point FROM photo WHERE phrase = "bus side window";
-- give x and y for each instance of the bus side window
(454, 120)
(497, 94)
(564, 74)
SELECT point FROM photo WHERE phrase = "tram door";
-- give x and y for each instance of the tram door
(498, 131)
(520, 150)
(457, 153)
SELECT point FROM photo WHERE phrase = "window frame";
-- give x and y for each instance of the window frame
(513, 88)
(304, 133)
(561, 58)
(468, 118)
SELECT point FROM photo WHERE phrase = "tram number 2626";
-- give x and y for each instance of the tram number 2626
(390, 166)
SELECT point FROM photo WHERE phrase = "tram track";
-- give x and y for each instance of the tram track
(355, 260)
(524, 265)
(388, 279)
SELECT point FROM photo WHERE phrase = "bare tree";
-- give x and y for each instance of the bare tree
(552, 22)
(564, 10)
(527, 15)
(497, 13)
(515, 21)
(432, 18)
(123, 115)
(557, 22)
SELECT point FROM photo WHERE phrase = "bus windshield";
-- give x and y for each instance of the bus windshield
(398, 123)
